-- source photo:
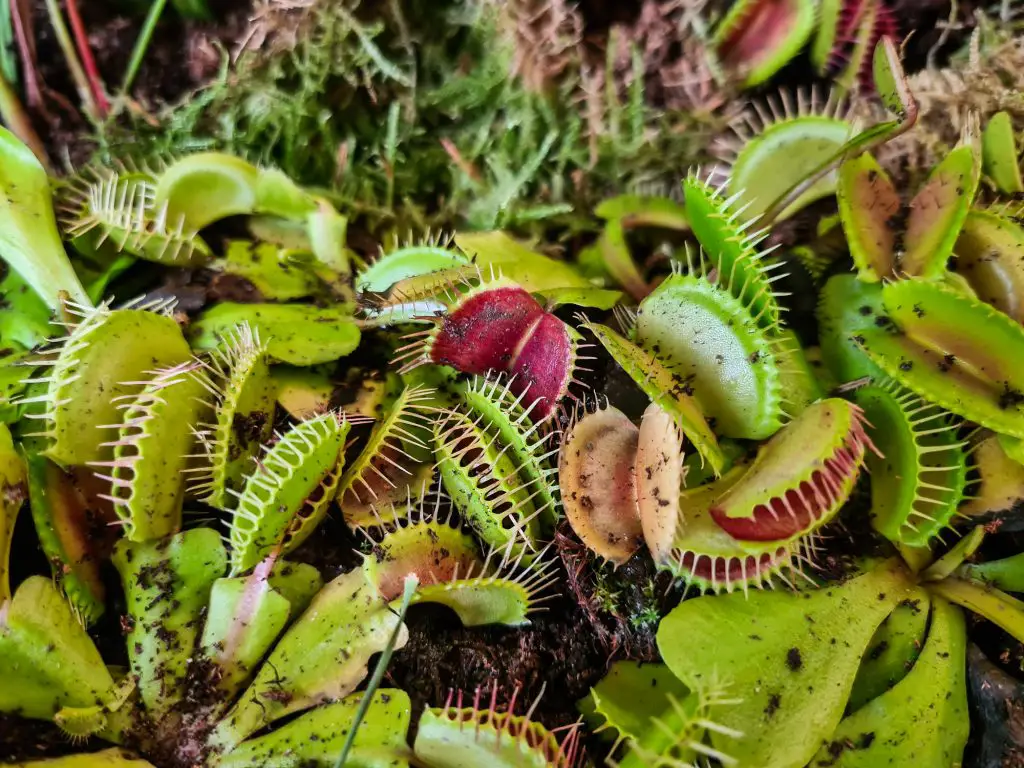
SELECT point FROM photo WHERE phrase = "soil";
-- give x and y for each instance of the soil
(568, 647)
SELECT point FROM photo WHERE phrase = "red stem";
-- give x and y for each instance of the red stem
(33, 95)
(92, 72)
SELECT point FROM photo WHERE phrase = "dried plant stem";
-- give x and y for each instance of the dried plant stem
(60, 29)
(92, 72)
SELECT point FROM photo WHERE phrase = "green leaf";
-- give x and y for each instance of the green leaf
(245, 617)
(922, 720)
(164, 631)
(322, 657)
(595, 298)
(29, 239)
(869, 206)
(13, 490)
(952, 560)
(988, 602)
(892, 651)
(999, 154)
(1006, 574)
(296, 334)
(269, 268)
(619, 261)
(107, 758)
(791, 657)
(643, 211)
(533, 271)
(316, 737)
(626, 699)
(47, 660)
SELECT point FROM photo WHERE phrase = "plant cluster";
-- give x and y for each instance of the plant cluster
(197, 453)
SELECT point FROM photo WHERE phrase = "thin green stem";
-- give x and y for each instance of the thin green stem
(411, 584)
(60, 29)
(142, 45)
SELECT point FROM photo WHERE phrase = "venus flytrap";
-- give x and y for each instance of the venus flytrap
(760, 168)
(458, 736)
(105, 355)
(387, 466)
(119, 210)
(450, 570)
(889, 239)
(288, 491)
(498, 326)
(150, 451)
(240, 399)
(28, 235)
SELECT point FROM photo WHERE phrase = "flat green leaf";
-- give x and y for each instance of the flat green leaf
(922, 721)
(892, 650)
(296, 334)
(999, 154)
(164, 631)
(29, 239)
(1006, 574)
(315, 739)
(937, 212)
(869, 207)
(47, 660)
(986, 601)
(322, 657)
(791, 657)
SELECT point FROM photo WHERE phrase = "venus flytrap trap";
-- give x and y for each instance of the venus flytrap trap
(105, 355)
(760, 168)
(450, 570)
(736, 381)
(241, 401)
(386, 467)
(672, 392)
(654, 718)
(288, 492)
(458, 736)
(119, 210)
(919, 479)
(989, 250)
(756, 39)
(888, 238)
(151, 446)
(952, 350)
(481, 478)
(498, 326)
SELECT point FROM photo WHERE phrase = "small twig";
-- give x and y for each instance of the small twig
(947, 28)
(60, 30)
(92, 72)
(142, 45)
